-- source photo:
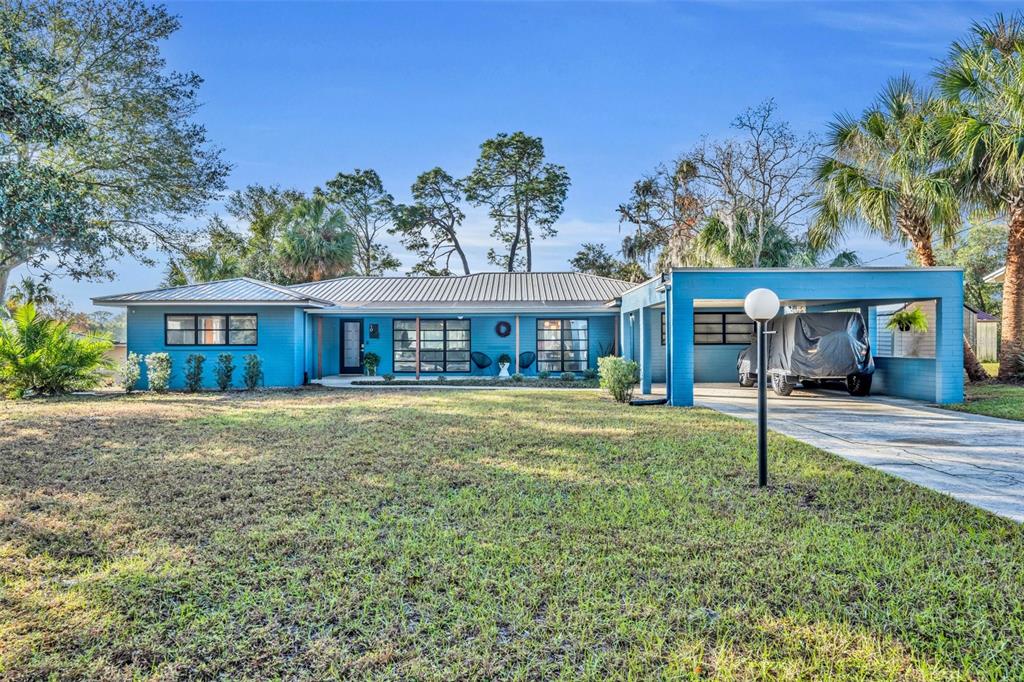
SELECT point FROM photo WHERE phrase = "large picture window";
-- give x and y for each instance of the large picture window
(722, 328)
(443, 345)
(210, 330)
(562, 346)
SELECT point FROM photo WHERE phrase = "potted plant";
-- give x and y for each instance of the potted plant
(371, 361)
(908, 321)
(504, 360)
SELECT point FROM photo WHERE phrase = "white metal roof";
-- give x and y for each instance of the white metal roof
(491, 288)
(237, 290)
(483, 288)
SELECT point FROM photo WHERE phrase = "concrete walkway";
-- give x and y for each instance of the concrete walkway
(976, 459)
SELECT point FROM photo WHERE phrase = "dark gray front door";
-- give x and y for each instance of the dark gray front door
(351, 347)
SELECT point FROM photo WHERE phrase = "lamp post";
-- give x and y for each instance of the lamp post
(762, 305)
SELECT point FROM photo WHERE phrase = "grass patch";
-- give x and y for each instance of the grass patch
(492, 534)
(993, 399)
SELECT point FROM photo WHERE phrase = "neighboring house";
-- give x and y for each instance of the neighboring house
(996, 276)
(684, 327)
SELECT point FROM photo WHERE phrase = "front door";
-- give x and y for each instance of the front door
(351, 347)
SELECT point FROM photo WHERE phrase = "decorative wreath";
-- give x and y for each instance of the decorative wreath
(503, 328)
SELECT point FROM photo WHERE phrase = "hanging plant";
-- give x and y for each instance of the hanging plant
(908, 321)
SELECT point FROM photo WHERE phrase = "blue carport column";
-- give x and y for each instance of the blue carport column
(949, 349)
(681, 370)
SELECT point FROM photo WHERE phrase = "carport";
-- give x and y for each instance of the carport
(705, 328)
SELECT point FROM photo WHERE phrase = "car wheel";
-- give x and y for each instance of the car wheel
(780, 385)
(858, 384)
(747, 380)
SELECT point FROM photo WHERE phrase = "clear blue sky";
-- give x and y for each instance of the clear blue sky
(296, 92)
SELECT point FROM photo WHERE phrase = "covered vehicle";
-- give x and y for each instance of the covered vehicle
(813, 348)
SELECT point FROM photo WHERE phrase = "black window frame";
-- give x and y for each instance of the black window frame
(227, 330)
(444, 362)
(724, 333)
(561, 357)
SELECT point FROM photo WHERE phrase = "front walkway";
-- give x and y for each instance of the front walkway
(976, 459)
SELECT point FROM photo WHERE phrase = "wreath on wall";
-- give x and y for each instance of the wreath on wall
(503, 329)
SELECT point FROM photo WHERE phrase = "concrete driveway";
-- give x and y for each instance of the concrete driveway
(976, 459)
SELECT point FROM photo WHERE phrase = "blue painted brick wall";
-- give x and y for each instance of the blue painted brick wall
(279, 343)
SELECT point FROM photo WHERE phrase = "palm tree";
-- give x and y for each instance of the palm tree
(718, 245)
(316, 244)
(885, 173)
(39, 294)
(981, 81)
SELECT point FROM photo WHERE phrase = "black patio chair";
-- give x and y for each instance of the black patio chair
(526, 359)
(481, 360)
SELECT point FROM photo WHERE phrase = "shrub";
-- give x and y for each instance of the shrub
(129, 372)
(908, 321)
(371, 361)
(441, 378)
(504, 359)
(158, 371)
(194, 372)
(389, 377)
(40, 355)
(224, 370)
(590, 373)
(619, 376)
(543, 375)
(568, 376)
(518, 377)
(252, 373)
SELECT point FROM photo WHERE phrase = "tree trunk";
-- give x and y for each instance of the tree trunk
(5, 274)
(975, 372)
(529, 246)
(462, 255)
(1012, 337)
(921, 235)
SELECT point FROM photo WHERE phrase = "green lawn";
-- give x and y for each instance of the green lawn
(994, 400)
(476, 535)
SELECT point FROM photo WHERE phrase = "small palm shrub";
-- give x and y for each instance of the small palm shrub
(568, 376)
(158, 371)
(543, 375)
(129, 372)
(42, 356)
(252, 371)
(619, 376)
(389, 377)
(194, 372)
(590, 373)
(518, 377)
(224, 370)
(441, 378)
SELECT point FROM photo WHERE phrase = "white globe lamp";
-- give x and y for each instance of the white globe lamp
(761, 305)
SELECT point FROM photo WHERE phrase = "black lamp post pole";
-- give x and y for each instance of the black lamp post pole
(762, 406)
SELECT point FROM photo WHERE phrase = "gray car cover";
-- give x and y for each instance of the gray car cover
(814, 346)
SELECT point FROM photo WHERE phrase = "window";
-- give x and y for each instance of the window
(210, 330)
(562, 346)
(443, 344)
(663, 329)
(722, 328)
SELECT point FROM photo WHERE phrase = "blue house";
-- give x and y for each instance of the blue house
(683, 327)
